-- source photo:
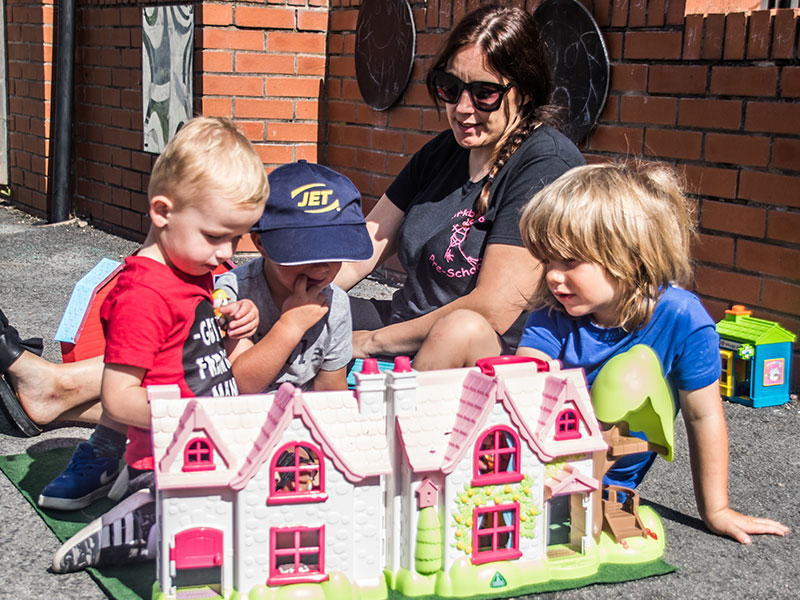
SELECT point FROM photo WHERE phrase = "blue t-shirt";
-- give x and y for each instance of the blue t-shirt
(681, 333)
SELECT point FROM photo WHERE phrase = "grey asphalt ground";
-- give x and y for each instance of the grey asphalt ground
(40, 263)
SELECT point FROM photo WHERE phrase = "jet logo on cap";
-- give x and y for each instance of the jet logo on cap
(315, 198)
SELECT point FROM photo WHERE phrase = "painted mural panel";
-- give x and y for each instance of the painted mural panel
(167, 44)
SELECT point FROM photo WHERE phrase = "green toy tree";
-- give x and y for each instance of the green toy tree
(631, 388)
(428, 552)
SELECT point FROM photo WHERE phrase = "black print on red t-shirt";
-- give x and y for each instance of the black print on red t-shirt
(206, 367)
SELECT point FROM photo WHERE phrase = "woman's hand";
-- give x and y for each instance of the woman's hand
(506, 280)
(364, 344)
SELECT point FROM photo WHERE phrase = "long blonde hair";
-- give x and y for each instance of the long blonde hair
(632, 219)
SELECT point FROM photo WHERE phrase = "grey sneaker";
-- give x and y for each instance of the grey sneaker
(126, 533)
(126, 485)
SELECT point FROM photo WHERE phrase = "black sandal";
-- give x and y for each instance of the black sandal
(11, 346)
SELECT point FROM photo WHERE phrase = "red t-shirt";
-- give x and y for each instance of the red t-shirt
(160, 319)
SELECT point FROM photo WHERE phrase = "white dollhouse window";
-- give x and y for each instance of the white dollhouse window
(298, 474)
(495, 535)
(567, 425)
(297, 555)
(198, 455)
(496, 457)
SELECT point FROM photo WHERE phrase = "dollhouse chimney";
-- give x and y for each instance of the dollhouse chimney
(371, 389)
(401, 392)
(401, 384)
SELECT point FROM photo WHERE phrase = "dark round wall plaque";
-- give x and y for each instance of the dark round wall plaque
(385, 38)
(580, 63)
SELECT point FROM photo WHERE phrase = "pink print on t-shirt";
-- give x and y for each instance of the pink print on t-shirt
(458, 236)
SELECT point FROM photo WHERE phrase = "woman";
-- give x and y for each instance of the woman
(452, 213)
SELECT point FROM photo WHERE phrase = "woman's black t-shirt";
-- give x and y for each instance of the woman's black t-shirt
(440, 243)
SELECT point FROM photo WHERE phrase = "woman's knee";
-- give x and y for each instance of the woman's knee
(457, 340)
(463, 325)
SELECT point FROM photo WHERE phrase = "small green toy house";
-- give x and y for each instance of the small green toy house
(756, 359)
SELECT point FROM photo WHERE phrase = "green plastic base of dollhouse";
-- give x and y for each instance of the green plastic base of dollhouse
(607, 562)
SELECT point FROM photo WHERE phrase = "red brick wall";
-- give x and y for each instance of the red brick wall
(721, 6)
(715, 95)
(264, 65)
(30, 55)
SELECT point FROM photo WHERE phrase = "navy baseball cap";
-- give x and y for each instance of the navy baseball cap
(313, 214)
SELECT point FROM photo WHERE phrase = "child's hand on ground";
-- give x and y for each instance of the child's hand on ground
(242, 318)
(304, 307)
(738, 526)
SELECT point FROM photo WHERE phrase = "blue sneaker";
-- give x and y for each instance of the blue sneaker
(86, 478)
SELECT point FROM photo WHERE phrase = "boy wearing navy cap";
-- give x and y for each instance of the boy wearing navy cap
(310, 225)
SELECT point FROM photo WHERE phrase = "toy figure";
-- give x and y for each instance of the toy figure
(299, 475)
(221, 298)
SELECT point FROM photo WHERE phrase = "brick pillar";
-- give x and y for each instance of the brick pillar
(30, 31)
(111, 171)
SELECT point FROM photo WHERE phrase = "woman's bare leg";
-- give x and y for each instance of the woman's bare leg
(458, 340)
(57, 392)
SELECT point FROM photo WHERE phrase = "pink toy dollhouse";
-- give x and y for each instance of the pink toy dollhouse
(417, 481)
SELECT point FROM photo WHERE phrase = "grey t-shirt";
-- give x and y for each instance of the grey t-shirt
(327, 346)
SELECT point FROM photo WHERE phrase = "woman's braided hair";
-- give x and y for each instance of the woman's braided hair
(510, 39)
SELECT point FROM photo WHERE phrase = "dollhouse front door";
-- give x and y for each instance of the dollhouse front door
(197, 548)
(558, 526)
(196, 560)
(726, 379)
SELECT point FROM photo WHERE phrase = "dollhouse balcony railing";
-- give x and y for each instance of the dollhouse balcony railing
(621, 513)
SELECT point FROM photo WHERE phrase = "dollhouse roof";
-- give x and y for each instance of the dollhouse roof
(245, 430)
(452, 408)
(438, 439)
(739, 326)
(560, 393)
(426, 433)
(478, 397)
(194, 420)
(82, 301)
(569, 480)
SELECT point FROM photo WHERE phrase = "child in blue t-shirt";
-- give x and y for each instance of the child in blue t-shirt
(612, 239)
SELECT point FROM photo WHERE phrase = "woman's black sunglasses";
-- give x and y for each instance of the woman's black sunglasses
(485, 95)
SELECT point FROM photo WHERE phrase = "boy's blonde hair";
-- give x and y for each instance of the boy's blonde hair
(632, 219)
(209, 153)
